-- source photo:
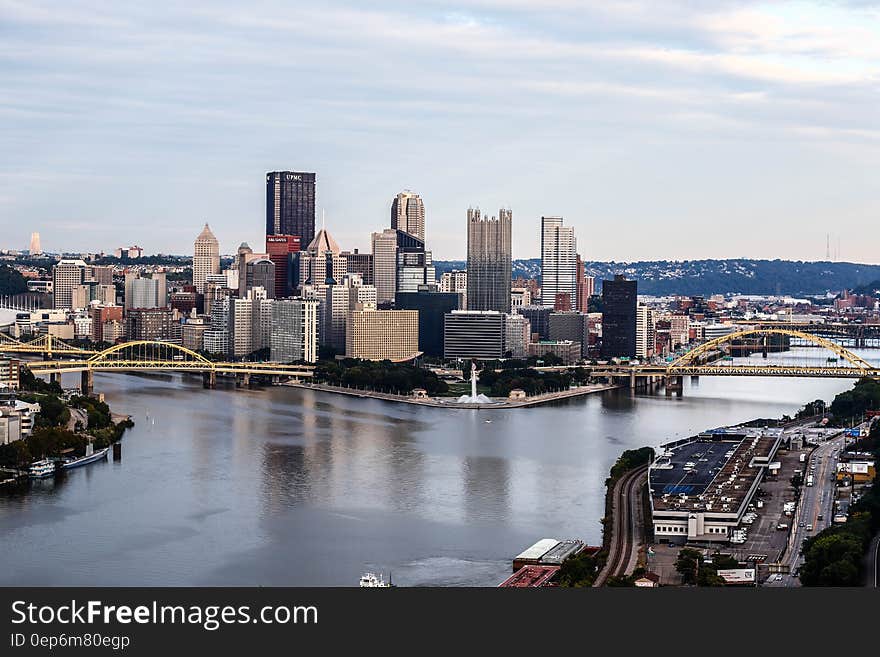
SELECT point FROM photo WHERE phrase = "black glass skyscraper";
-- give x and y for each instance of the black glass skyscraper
(619, 300)
(290, 204)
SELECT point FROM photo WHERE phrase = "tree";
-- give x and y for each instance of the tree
(11, 281)
(688, 564)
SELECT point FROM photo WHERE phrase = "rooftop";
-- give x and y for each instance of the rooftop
(712, 472)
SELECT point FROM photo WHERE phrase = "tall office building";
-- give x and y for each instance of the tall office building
(260, 273)
(145, 290)
(322, 263)
(360, 263)
(517, 335)
(619, 299)
(455, 281)
(83, 295)
(290, 204)
(476, 334)
(67, 275)
(645, 331)
(149, 324)
(489, 261)
(539, 318)
(294, 334)
(584, 287)
(382, 335)
(431, 306)
(415, 265)
(569, 326)
(281, 250)
(558, 261)
(408, 214)
(206, 258)
(385, 264)
(35, 248)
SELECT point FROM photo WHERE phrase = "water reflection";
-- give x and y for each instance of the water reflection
(297, 487)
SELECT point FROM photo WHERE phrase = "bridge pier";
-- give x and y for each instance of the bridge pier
(674, 384)
(244, 381)
(87, 384)
(209, 379)
(53, 377)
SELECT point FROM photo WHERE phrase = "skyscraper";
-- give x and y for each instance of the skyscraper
(35, 249)
(489, 261)
(415, 265)
(619, 298)
(322, 263)
(558, 261)
(294, 333)
(206, 258)
(645, 331)
(431, 306)
(67, 275)
(385, 264)
(260, 273)
(408, 214)
(281, 249)
(290, 204)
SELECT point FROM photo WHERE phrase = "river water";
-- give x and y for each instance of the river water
(288, 487)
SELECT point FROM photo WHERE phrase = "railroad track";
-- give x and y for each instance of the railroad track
(624, 531)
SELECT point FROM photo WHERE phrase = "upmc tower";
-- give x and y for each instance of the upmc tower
(290, 204)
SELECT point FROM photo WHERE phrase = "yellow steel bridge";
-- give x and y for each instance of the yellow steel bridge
(157, 356)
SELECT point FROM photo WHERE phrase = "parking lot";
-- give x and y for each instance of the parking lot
(765, 543)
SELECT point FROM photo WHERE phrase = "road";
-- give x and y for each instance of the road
(815, 500)
(626, 532)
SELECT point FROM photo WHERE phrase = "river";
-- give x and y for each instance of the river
(288, 487)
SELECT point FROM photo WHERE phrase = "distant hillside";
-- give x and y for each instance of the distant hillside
(662, 277)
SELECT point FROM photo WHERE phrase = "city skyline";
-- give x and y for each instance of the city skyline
(756, 115)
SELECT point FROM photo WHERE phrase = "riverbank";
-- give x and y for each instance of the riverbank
(441, 402)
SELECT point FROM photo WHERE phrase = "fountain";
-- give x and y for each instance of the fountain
(474, 398)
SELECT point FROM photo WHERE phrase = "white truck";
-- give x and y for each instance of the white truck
(810, 480)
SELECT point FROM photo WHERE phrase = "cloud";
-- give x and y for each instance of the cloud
(486, 101)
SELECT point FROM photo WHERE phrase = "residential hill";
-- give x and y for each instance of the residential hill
(743, 276)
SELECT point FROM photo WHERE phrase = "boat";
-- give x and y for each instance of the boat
(41, 469)
(90, 457)
(372, 580)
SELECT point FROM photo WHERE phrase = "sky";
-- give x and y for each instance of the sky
(680, 129)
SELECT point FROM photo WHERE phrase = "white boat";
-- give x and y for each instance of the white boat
(372, 580)
(90, 457)
(42, 469)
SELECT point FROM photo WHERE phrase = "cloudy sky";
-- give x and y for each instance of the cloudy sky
(661, 130)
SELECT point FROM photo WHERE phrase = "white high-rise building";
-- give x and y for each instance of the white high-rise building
(645, 334)
(206, 258)
(67, 275)
(216, 338)
(455, 281)
(517, 334)
(385, 264)
(558, 262)
(294, 332)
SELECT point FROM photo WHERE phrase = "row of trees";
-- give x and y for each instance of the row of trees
(43, 443)
(864, 396)
(533, 382)
(696, 571)
(380, 376)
